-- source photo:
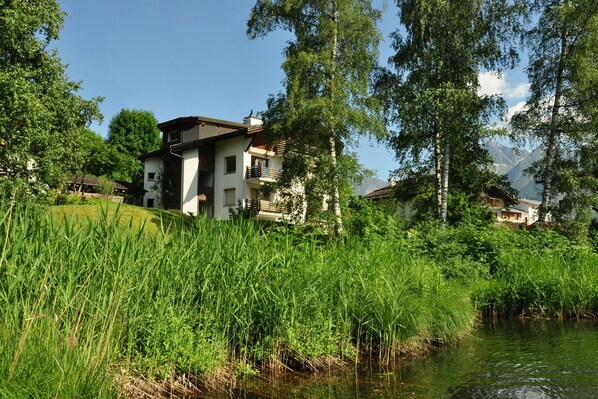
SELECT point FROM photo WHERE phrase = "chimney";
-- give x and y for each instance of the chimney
(252, 120)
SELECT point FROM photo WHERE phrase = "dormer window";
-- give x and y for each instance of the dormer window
(174, 136)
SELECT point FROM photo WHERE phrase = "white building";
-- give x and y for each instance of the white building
(530, 209)
(210, 166)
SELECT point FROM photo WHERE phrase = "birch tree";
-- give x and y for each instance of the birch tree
(561, 111)
(325, 102)
(431, 95)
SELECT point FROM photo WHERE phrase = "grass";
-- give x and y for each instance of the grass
(517, 273)
(542, 282)
(102, 300)
(151, 221)
(106, 305)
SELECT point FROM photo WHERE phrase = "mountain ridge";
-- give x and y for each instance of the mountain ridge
(513, 163)
(507, 161)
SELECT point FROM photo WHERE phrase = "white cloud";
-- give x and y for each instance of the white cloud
(492, 83)
(506, 119)
(514, 109)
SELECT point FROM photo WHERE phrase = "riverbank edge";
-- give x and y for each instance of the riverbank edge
(224, 380)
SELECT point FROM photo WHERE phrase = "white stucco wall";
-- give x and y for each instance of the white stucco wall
(226, 148)
(189, 181)
(530, 208)
(151, 165)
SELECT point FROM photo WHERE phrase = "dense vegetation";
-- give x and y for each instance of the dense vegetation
(98, 302)
(95, 307)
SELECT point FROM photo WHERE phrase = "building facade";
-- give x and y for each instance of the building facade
(211, 166)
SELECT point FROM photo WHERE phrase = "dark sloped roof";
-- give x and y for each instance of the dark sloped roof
(202, 119)
(384, 192)
(94, 181)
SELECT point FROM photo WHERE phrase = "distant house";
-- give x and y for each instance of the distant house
(210, 166)
(92, 186)
(530, 207)
(503, 206)
(380, 194)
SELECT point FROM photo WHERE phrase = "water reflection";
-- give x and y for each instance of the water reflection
(506, 359)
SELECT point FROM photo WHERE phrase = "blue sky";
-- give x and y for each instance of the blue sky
(192, 57)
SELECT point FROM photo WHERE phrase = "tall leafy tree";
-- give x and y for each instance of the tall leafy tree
(41, 114)
(432, 96)
(133, 132)
(562, 109)
(101, 159)
(326, 101)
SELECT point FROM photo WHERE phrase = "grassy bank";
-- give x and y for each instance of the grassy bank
(92, 307)
(517, 273)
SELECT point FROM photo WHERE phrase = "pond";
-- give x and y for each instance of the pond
(504, 359)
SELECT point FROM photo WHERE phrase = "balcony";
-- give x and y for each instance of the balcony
(261, 174)
(264, 210)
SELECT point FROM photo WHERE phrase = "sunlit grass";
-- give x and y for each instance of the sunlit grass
(95, 299)
(106, 303)
(151, 221)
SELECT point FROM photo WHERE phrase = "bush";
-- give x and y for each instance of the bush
(369, 220)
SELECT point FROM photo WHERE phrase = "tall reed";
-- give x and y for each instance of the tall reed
(84, 302)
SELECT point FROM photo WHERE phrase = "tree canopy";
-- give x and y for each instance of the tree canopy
(132, 132)
(431, 96)
(326, 100)
(562, 109)
(41, 114)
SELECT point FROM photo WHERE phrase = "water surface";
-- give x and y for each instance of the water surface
(505, 359)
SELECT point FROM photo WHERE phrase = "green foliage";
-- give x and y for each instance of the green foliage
(561, 111)
(132, 133)
(326, 101)
(101, 159)
(515, 272)
(370, 220)
(63, 199)
(100, 296)
(463, 209)
(41, 114)
(559, 280)
(241, 212)
(431, 98)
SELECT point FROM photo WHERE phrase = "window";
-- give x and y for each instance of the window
(230, 164)
(174, 136)
(150, 202)
(230, 197)
(151, 176)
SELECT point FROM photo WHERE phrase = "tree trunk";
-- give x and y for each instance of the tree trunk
(438, 171)
(553, 136)
(446, 156)
(336, 206)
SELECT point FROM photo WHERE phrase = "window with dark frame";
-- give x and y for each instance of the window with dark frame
(151, 176)
(174, 136)
(230, 164)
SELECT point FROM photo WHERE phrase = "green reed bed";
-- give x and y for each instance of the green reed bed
(561, 283)
(539, 275)
(515, 273)
(90, 309)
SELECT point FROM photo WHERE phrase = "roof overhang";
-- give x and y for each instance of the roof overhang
(198, 120)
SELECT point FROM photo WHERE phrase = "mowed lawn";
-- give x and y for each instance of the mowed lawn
(137, 219)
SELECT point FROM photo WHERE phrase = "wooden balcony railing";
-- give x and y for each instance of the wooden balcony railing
(262, 206)
(258, 171)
